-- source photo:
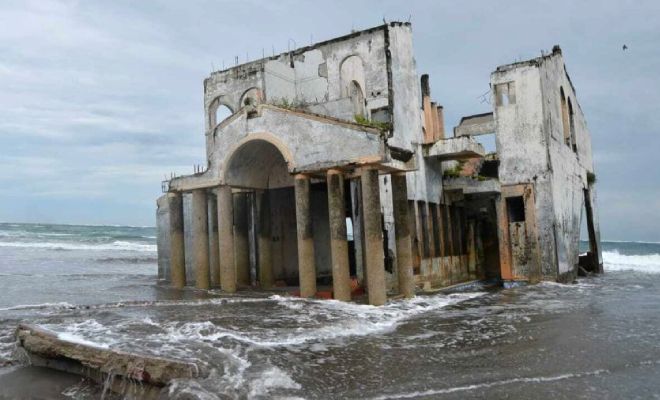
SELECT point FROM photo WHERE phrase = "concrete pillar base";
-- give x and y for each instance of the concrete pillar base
(373, 237)
(200, 231)
(402, 231)
(341, 280)
(177, 248)
(226, 241)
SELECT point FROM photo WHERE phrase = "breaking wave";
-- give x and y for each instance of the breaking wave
(615, 261)
(340, 320)
(116, 245)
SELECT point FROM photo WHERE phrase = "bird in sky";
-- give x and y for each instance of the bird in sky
(625, 47)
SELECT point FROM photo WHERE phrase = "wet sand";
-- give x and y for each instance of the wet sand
(39, 384)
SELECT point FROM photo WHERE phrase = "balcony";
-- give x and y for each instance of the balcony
(456, 148)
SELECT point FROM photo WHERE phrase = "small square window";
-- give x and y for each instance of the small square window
(505, 94)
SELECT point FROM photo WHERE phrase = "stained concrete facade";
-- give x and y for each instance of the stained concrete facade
(327, 149)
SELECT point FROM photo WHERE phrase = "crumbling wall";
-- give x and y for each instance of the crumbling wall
(230, 85)
(520, 141)
(569, 169)
(406, 90)
(522, 147)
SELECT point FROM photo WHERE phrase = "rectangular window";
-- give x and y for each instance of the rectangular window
(505, 94)
(515, 207)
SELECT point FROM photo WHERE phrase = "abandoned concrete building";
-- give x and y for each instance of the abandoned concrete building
(329, 172)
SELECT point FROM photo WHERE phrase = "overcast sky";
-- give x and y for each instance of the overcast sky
(99, 100)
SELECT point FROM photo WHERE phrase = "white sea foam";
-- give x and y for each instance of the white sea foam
(338, 320)
(73, 338)
(532, 380)
(270, 379)
(116, 245)
(614, 261)
(60, 305)
(81, 331)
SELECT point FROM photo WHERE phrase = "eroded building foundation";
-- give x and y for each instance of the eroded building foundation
(329, 173)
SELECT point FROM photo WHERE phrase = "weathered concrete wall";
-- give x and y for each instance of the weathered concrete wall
(520, 142)
(532, 149)
(307, 143)
(313, 77)
(407, 97)
(522, 146)
(229, 86)
(569, 170)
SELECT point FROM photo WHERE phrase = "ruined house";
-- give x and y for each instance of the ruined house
(329, 170)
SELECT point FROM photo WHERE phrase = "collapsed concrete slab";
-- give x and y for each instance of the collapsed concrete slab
(132, 374)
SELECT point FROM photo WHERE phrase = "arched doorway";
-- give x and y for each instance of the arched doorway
(257, 164)
(264, 213)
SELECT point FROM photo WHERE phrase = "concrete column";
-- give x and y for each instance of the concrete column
(373, 237)
(306, 264)
(402, 230)
(241, 241)
(341, 279)
(200, 232)
(214, 244)
(226, 239)
(264, 251)
(177, 252)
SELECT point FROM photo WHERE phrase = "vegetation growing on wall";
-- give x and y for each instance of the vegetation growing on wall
(381, 126)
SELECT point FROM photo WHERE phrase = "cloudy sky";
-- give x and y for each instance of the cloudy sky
(99, 100)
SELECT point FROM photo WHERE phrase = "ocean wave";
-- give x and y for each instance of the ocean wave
(61, 305)
(628, 241)
(116, 245)
(614, 261)
(345, 320)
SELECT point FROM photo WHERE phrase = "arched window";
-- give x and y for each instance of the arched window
(351, 70)
(565, 118)
(218, 112)
(252, 96)
(571, 118)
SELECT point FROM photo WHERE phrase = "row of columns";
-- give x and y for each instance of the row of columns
(219, 257)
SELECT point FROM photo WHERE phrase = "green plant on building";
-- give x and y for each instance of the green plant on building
(381, 126)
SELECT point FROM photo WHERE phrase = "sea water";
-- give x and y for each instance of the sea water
(597, 338)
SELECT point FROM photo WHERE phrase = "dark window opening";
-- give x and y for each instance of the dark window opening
(515, 207)
(571, 116)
